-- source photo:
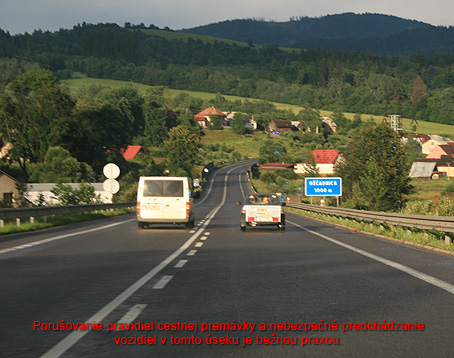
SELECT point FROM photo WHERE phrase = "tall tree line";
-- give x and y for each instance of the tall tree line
(329, 79)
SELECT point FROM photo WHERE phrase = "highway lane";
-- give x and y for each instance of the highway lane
(261, 276)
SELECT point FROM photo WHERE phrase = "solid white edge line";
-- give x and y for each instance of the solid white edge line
(55, 238)
(415, 273)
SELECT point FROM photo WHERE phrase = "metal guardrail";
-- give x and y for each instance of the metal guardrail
(21, 213)
(421, 222)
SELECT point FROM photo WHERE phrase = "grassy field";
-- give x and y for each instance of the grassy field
(250, 144)
(423, 127)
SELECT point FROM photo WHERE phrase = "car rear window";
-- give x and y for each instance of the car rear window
(163, 188)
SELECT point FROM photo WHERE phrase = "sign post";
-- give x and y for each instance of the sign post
(111, 172)
(323, 187)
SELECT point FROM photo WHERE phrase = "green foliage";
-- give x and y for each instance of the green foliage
(66, 195)
(287, 174)
(330, 79)
(311, 167)
(35, 114)
(182, 151)
(60, 166)
(236, 156)
(268, 177)
(238, 123)
(272, 152)
(375, 170)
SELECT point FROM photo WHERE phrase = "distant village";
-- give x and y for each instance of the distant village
(439, 160)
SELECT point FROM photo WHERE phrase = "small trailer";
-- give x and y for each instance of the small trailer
(262, 209)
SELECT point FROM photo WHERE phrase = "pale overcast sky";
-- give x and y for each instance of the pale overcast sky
(19, 16)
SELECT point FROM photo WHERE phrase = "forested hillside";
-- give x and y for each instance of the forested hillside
(322, 79)
(361, 32)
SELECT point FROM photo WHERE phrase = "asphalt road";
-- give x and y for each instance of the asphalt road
(312, 291)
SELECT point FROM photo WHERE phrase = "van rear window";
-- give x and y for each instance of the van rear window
(163, 188)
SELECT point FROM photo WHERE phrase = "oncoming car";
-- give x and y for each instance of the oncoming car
(262, 209)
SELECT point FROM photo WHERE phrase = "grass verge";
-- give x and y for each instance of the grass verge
(59, 220)
(429, 240)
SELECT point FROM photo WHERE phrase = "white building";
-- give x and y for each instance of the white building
(37, 192)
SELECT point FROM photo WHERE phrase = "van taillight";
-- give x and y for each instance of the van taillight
(138, 207)
(188, 207)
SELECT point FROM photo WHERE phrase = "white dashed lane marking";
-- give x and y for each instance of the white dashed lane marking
(162, 282)
(180, 263)
(132, 314)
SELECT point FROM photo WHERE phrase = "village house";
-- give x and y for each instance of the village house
(434, 141)
(275, 127)
(4, 148)
(442, 150)
(132, 150)
(325, 159)
(250, 124)
(420, 139)
(9, 194)
(203, 118)
(329, 126)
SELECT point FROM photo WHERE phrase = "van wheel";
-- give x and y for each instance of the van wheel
(141, 225)
(243, 228)
(190, 224)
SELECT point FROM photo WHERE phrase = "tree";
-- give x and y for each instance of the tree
(309, 118)
(375, 170)
(238, 123)
(419, 90)
(35, 114)
(66, 195)
(60, 166)
(311, 168)
(155, 125)
(100, 130)
(130, 103)
(182, 150)
(272, 152)
(188, 121)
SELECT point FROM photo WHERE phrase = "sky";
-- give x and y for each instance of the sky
(19, 16)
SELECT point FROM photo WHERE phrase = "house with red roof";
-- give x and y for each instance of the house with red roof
(203, 118)
(132, 150)
(325, 159)
(441, 150)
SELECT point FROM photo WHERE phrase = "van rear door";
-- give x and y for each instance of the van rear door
(174, 199)
(163, 199)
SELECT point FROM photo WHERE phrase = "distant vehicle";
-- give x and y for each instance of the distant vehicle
(165, 200)
(262, 209)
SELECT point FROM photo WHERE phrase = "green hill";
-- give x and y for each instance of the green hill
(423, 127)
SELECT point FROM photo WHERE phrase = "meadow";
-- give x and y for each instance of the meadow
(249, 145)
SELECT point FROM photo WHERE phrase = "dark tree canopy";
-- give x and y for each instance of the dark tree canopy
(375, 170)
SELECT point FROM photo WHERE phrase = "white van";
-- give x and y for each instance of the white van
(165, 200)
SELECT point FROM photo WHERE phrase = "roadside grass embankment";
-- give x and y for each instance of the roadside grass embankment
(10, 227)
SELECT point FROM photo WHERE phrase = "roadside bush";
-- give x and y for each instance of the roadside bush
(66, 195)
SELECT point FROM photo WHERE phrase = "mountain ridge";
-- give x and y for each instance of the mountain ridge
(377, 33)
